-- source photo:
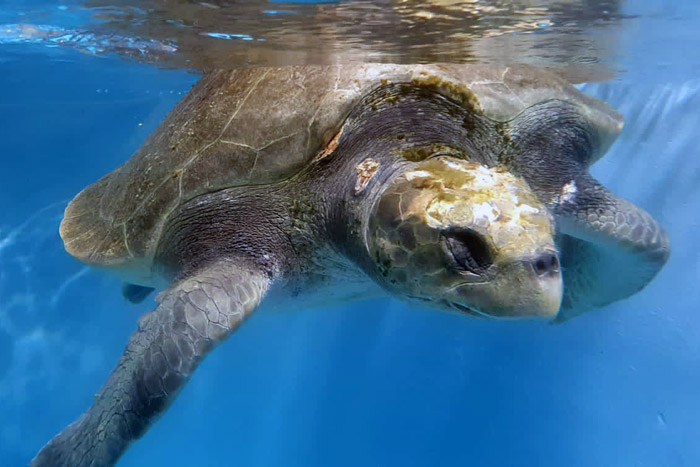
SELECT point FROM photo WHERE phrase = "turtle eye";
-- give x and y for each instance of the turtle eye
(468, 249)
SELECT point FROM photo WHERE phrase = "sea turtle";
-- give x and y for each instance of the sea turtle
(459, 187)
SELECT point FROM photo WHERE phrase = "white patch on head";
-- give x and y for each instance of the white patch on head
(496, 203)
(455, 165)
(484, 177)
(486, 211)
(436, 223)
(413, 174)
(517, 213)
(568, 192)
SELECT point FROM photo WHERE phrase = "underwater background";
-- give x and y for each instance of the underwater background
(374, 383)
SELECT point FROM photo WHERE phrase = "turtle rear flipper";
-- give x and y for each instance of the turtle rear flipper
(135, 293)
(193, 316)
(609, 248)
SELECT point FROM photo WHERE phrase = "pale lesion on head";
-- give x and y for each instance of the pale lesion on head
(365, 171)
(465, 235)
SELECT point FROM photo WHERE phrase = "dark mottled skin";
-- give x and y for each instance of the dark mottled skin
(223, 226)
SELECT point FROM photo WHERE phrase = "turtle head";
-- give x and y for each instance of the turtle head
(466, 237)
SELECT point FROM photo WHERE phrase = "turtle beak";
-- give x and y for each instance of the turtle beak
(526, 288)
(549, 285)
(549, 298)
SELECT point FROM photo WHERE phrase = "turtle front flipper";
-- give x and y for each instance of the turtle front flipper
(192, 317)
(609, 248)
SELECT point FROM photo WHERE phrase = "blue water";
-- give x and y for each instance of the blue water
(371, 384)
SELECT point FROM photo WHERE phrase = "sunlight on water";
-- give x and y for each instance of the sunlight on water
(205, 35)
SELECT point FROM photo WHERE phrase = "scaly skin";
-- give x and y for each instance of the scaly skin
(595, 214)
(611, 248)
(193, 316)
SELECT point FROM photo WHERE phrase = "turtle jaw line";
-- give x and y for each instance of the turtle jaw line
(467, 309)
(477, 280)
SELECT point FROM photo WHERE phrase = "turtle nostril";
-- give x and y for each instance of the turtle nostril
(546, 263)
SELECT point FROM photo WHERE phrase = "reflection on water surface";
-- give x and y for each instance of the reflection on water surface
(578, 35)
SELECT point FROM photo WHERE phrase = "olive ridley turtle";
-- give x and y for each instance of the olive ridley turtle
(460, 187)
